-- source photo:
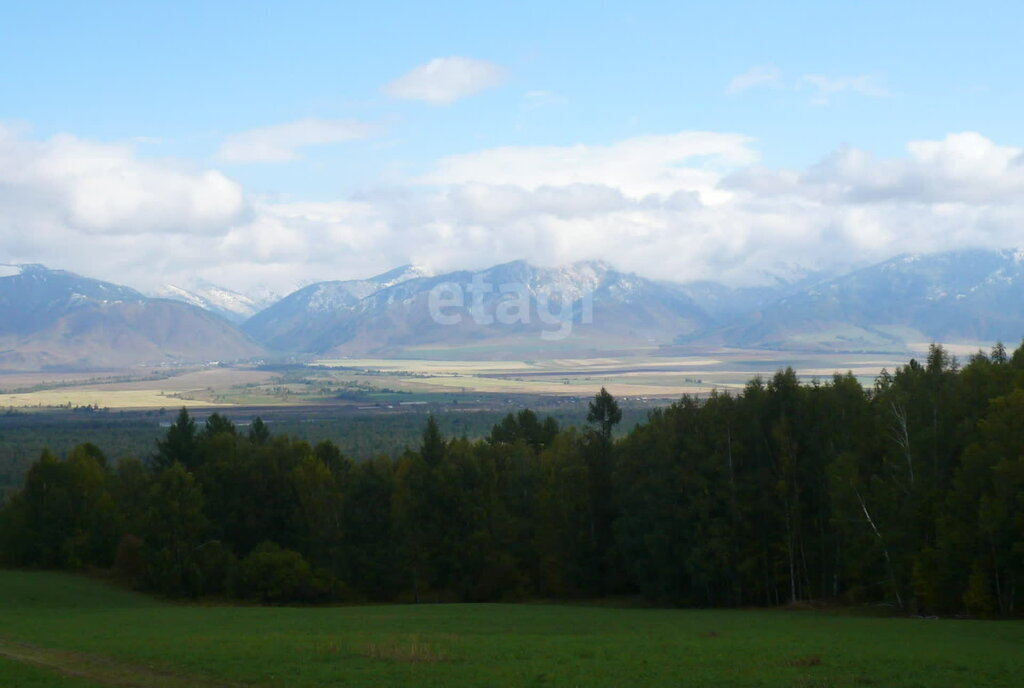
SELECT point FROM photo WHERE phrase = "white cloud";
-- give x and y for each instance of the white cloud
(694, 212)
(444, 80)
(684, 206)
(281, 142)
(636, 166)
(825, 88)
(964, 168)
(760, 75)
(101, 188)
(682, 211)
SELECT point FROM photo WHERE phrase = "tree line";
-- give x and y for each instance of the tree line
(23, 435)
(910, 493)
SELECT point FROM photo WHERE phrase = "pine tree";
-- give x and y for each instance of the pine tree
(259, 433)
(604, 412)
(217, 424)
(179, 444)
(433, 447)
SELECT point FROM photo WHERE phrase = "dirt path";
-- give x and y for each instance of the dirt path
(104, 670)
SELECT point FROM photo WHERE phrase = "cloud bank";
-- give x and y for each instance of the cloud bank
(681, 206)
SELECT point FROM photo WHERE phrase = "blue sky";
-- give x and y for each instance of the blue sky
(175, 81)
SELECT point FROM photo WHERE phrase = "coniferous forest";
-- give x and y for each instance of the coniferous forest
(910, 494)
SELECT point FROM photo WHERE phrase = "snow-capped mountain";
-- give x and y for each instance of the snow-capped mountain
(289, 324)
(328, 297)
(226, 303)
(57, 318)
(969, 296)
(587, 305)
(54, 318)
(962, 296)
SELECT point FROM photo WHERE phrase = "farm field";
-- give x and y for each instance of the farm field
(368, 380)
(65, 630)
(137, 389)
(372, 380)
(660, 377)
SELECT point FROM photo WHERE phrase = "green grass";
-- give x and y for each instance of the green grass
(15, 674)
(83, 620)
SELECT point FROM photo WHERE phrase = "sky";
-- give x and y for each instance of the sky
(263, 146)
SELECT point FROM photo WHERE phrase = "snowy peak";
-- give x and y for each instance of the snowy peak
(400, 274)
(291, 321)
(337, 295)
(394, 310)
(226, 303)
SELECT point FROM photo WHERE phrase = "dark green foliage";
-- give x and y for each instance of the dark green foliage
(217, 424)
(64, 516)
(272, 574)
(524, 427)
(361, 435)
(911, 493)
(604, 412)
(566, 548)
(179, 445)
(173, 529)
(370, 555)
(433, 447)
(259, 433)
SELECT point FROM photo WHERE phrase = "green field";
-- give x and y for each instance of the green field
(65, 630)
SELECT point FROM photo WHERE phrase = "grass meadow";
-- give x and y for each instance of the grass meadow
(60, 629)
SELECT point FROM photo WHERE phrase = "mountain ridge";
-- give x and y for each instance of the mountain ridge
(625, 308)
(515, 309)
(969, 295)
(58, 319)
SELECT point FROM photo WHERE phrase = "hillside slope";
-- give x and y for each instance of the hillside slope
(57, 319)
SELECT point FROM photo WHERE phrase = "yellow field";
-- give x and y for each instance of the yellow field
(413, 365)
(576, 388)
(625, 377)
(194, 387)
(103, 398)
(647, 376)
(427, 367)
(666, 377)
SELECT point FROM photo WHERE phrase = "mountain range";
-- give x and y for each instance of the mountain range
(591, 305)
(52, 318)
(967, 296)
